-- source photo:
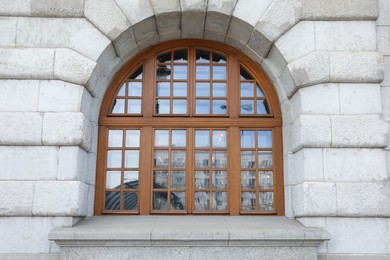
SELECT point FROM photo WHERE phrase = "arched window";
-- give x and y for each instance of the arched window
(190, 127)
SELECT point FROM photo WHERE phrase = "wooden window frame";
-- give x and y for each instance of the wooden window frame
(233, 122)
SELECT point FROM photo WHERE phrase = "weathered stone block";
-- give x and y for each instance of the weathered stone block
(7, 31)
(167, 15)
(125, 45)
(193, 18)
(307, 166)
(360, 99)
(145, 33)
(135, 10)
(244, 10)
(383, 39)
(16, 198)
(385, 95)
(20, 128)
(73, 164)
(19, 95)
(274, 65)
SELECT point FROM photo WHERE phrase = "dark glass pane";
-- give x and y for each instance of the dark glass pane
(112, 200)
(130, 180)
(248, 180)
(160, 179)
(130, 201)
(266, 201)
(202, 201)
(219, 159)
(135, 89)
(248, 159)
(219, 89)
(219, 201)
(113, 179)
(202, 72)
(180, 72)
(134, 106)
(180, 55)
(248, 201)
(165, 57)
(132, 159)
(245, 75)
(246, 89)
(247, 139)
(265, 159)
(179, 106)
(160, 200)
(202, 89)
(119, 106)
(246, 107)
(163, 71)
(202, 56)
(219, 73)
(115, 138)
(179, 89)
(202, 159)
(137, 74)
(219, 138)
(219, 179)
(161, 138)
(202, 138)
(219, 107)
(179, 138)
(122, 91)
(202, 106)
(163, 89)
(178, 200)
(262, 107)
(160, 159)
(178, 179)
(202, 180)
(266, 180)
(162, 106)
(219, 58)
(264, 139)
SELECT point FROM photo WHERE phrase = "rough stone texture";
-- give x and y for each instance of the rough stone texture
(193, 18)
(359, 131)
(70, 129)
(19, 95)
(135, 10)
(274, 65)
(360, 99)
(19, 128)
(107, 16)
(16, 198)
(218, 18)
(307, 165)
(125, 45)
(28, 163)
(60, 198)
(167, 19)
(72, 164)
(7, 31)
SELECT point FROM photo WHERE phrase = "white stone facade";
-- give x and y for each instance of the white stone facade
(328, 60)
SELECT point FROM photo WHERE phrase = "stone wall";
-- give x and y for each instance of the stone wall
(58, 57)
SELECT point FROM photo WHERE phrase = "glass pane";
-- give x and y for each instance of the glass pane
(266, 201)
(259, 92)
(119, 106)
(202, 159)
(178, 180)
(202, 201)
(178, 200)
(135, 89)
(160, 159)
(134, 106)
(219, 107)
(265, 159)
(202, 138)
(160, 179)
(163, 71)
(264, 139)
(178, 159)
(115, 138)
(244, 74)
(248, 180)
(161, 138)
(219, 73)
(162, 106)
(179, 138)
(180, 72)
(202, 56)
(179, 106)
(262, 107)
(248, 159)
(113, 180)
(248, 201)
(202, 72)
(122, 91)
(112, 201)
(114, 159)
(130, 180)
(180, 55)
(219, 58)
(202, 89)
(266, 180)
(130, 201)
(246, 107)
(137, 74)
(219, 201)
(132, 159)
(202, 106)
(165, 57)
(179, 89)
(219, 89)
(160, 200)
(163, 89)
(248, 139)
(202, 180)
(219, 159)
(219, 179)
(219, 138)
(246, 89)
(132, 138)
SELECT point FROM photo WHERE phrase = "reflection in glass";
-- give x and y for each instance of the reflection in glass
(115, 138)
(119, 106)
(202, 106)
(179, 106)
(219, 107)
(163, 71)
(264, 139)
(165, 57)
(179, 72)
(178, 159)
(163, 89)
(202, 138)
(160, 179)
(266, 201)
(132, 159)
(202, 159)
(265, 159)
(134, 106)
(219, 159)
(219, 73)
(114, 159)
(247, 139)
(219, 201)
(135, 89)
(161, 138)
(202, 56)
(259, 92)
(160, 200)
(219, 179)
(178, 180)
(248, 201)
(112, 200)
(202, 89)
(219, 89)
(179, 138)
(162, 106)
(130, 201)
(178, 200)
(113, 179)
(244, 74)
(219, 138)
(262, 107)
(246, 107)
(246, 89)
(202, 201)
(130, 180)
(219, 58)
(202, 72)
(202, 180)
(248, 159)
(137, 74)
(160, 159)
(132, 138)
(179, 89)
(180, 55)
(248, 180)
(266, 180)
(122, 91)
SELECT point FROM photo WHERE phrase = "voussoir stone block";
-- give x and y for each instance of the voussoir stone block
(167, 15)
(16, 198)
(193, 18)
(359, 131)
(135, 10)
(20, 128)
(19, 95)
(68, 129)
(125, 45)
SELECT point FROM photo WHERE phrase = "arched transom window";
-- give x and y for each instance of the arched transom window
(190, 127)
